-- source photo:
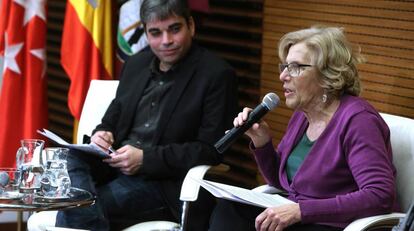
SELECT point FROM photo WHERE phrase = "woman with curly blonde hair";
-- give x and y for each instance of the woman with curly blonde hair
(335, 159)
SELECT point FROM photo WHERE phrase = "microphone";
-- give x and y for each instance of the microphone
(270, 101)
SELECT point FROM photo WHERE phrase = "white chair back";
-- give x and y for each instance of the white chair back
(100, 95)
(402, 142)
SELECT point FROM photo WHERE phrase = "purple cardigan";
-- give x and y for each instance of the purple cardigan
(348, 173)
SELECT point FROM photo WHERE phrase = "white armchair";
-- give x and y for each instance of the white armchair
(100, 95)
(402, 142)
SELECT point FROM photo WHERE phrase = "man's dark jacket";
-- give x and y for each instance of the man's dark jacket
(201, 106)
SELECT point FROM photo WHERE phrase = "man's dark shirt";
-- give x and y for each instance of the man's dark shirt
(150, 107)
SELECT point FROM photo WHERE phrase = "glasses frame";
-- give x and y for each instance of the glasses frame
(291, 67)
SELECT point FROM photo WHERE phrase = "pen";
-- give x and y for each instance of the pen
(112, 150)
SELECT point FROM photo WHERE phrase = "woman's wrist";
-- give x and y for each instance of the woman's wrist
(260, 142)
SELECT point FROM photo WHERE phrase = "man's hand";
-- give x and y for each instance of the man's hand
(103, 139)
(278, 218)
(128, 159)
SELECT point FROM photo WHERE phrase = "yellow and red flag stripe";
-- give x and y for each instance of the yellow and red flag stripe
(87, 47)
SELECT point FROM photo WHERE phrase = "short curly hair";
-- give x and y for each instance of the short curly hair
(332, 55)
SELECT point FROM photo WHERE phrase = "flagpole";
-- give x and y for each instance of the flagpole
(75, 130)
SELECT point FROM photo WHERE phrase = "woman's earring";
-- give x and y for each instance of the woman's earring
(324, 98)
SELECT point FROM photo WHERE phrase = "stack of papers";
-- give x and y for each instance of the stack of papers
(243, 195)
(88, 148)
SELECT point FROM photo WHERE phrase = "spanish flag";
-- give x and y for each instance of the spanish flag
(87, 47)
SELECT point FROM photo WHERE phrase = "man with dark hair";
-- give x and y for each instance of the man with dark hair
(174, 101)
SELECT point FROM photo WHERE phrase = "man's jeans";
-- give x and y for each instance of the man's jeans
(118, 196)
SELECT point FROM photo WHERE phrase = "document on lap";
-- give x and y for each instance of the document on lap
(88, 148)
(243, 195)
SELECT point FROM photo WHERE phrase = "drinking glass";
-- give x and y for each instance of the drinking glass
(9, 183)
(29, 163)
(55, 180)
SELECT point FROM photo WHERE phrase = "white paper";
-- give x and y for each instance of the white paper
(243, 195)
(89, 148)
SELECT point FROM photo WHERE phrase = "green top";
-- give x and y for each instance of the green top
(297, 156)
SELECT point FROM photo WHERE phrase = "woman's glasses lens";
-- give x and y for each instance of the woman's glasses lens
(293, 68)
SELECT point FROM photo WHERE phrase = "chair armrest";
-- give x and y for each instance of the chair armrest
(153, 225)
(386, 220)
(190, 187)
(50, 228)
(267, 189)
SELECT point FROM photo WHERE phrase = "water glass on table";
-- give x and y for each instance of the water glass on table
(9, 183)
(55, 181)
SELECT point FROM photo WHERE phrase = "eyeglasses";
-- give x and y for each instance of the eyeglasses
(293, 68)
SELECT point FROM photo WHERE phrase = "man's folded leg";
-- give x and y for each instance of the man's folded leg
(85, 171)
(119, 197)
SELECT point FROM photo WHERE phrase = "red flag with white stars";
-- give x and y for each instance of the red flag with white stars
(23, 99)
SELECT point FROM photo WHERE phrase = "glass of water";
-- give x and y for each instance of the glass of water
(9, 183)
(55, 179)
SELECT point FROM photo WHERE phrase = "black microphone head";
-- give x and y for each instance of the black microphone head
(270, 100)
(4, 179)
